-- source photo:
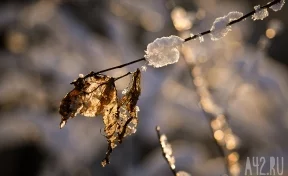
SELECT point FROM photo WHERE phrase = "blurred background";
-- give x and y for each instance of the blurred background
(46, 44)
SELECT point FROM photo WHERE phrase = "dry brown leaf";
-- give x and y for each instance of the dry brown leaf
(96, 94)
(128, 104)
(123, 122)
(89, 97)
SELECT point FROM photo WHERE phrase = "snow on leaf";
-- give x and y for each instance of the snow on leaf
(220, 26)
(129, 102)
(89, 97)
(120, 117)
(278, 6)
(163, 51)
(260, 14)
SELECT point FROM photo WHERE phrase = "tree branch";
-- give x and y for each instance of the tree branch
(196, 36)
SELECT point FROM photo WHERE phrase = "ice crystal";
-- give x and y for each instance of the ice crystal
(137, 108)
(192, 35)
(124, 91)
(143, 68)
(167, 150)
(278, 6)
(260, 14)
(201, 39)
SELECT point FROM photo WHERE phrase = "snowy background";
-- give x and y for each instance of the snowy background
(45, 44)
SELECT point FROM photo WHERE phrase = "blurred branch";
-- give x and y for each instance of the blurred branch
(225, 140)
(210, 117)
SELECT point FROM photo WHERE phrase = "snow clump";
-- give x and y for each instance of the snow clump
(260, 14)
(163, 51)
(220, 26)
(278, 6)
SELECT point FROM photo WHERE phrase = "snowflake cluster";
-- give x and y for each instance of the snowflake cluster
(220, 26)
(167, 149)
(163, 51)
(260, 14)
(278, 6)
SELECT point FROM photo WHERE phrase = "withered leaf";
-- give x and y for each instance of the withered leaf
(122, 119)
(89, 97)
(96, 94)
(129, 102)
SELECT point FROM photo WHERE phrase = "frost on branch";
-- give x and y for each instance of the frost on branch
(89, 97)
(201, 39)
(119, 124)
(260, 14)
(168, 153)
(163, 51)
(167, 150)
(220, 26)
(278, 6)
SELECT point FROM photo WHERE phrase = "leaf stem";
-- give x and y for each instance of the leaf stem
(129, 73)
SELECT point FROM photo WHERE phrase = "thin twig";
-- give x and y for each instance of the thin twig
(173, 170)
(106, 160)
(121, 66)
(221, 150)
(129, 73)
